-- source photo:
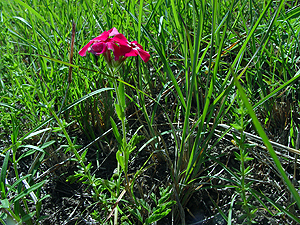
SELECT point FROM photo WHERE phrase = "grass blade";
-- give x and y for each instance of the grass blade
(266, 141)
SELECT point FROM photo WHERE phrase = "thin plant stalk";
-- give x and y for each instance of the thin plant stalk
(124, 142)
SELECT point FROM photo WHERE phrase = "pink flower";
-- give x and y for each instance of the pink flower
(120, 46)
(131, 48)
(102, 43)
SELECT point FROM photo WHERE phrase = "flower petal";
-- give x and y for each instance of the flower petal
(137, 44)
(99, 48)
(117, 52)
(132, 53)
(124, 49)
(111, 45)
(102, 37)
(83, 51)
(113, 31)
(144, 55)
(115, 48)
(121, 39)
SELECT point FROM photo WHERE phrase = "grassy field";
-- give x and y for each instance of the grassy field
(204, 132)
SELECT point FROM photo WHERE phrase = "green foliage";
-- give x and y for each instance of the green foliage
(202, 52)
(243, 186)
(161, 209)
(12, 195)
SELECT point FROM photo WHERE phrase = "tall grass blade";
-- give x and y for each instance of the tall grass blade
(263, 135)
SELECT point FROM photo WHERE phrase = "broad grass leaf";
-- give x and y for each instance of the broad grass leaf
(115, 130)
(27, 191)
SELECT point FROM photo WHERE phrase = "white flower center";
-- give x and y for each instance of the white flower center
(133, 46)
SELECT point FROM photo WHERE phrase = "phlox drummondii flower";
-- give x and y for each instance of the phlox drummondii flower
(113, 41)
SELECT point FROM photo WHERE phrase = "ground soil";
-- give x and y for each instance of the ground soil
(72, 203)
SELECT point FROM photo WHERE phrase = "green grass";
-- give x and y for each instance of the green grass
(207, 58)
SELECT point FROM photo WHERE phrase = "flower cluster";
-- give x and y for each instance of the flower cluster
(113, 41)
